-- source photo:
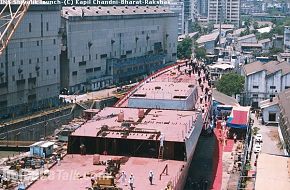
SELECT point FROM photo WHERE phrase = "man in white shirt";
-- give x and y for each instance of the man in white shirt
(131, 181)
(151, 177)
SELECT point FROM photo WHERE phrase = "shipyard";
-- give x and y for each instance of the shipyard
(144, 95)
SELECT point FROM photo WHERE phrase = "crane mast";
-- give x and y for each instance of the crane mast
(10, 18)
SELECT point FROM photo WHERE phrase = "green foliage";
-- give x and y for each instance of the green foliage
(256, 25)
(196, 27)
(200, 53)
(230, 84)
(279, 29)
(184, 49)
(264, 35)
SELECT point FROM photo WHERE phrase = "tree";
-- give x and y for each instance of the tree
(196, 27)
(230, 84)
(184, 48)
(200, 53)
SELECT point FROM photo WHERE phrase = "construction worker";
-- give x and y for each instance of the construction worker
(131, 181)
(162, 138)
(151, 177)
(123, 177)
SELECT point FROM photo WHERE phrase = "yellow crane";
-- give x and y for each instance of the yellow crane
(10, 18)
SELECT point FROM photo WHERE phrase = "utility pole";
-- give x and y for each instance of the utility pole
(222, 2)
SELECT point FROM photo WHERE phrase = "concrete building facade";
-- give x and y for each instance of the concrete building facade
(202, 7)
(287, 38)
(265, 80)
(178, 7)
(106, 45)
(224, 11)
(29, 68)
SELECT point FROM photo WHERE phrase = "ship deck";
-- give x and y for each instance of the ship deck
(73, 170)
(173, 82)
(174, 124)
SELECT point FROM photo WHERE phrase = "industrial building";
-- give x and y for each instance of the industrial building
(29, 66)
(265, 80)
(106, 45)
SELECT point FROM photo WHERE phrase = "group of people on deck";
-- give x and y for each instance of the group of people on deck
(123, 178)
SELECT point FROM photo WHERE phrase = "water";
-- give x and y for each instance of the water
(202, 168)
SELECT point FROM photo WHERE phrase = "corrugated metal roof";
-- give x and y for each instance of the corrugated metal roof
(223, 98)
(270, 67)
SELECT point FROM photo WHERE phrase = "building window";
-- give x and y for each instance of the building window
(2, 65)
(97, 68)
(13, 78)
(255, 96)
(13, 63)
(47, 26)
(54, 41)
(21, 62)
(90, 57)
(83, 58)
(21, 76)
(286, 87)
(129, 52)
(54, 57)
(89, 70)
(21, 44)
(272, 95)
(74, 73)
(74, 59)
(29, 27)
(255, 86)
(103, 56)
(46, 58)
(54, 71)
(29, 61)
(37, 43)
(37, 60)
(30, 75)
(47, 72)
(96, 56)
(82, 63)
(47, 89)
(272, 87)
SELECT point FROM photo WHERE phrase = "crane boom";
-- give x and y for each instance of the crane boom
(9, 21)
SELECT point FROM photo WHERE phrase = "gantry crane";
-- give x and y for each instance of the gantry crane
(10, 18)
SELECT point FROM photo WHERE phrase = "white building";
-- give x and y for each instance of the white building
(287, 38)
(224, 10)
(105, 45)
(178, 7)
(270, 110)
(29, 68)
(265, 80)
